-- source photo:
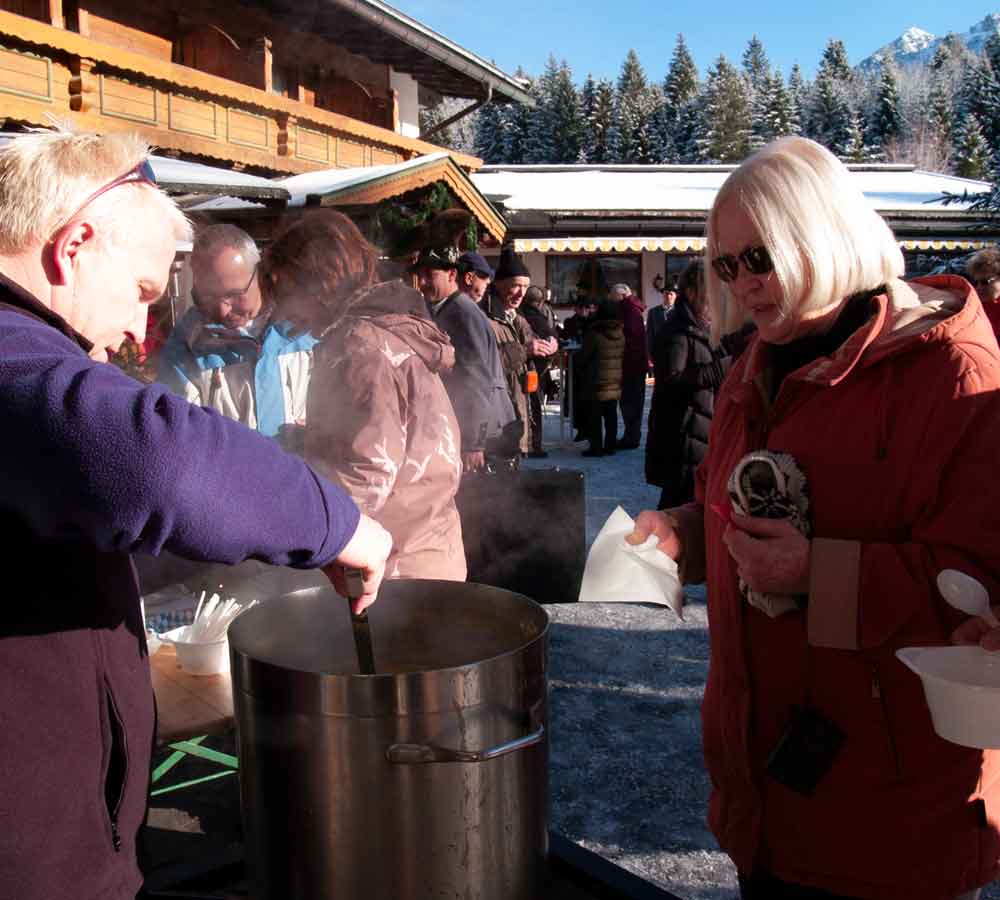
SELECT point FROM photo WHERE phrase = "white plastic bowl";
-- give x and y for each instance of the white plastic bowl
(962, 687)
(204, 658)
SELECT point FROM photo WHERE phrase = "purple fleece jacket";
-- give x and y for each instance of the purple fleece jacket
(94, 467)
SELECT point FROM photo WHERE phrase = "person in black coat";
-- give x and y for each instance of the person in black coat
(688, 372)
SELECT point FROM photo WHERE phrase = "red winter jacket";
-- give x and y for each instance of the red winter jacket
(897, 434)
(993, 314)
(636, 360)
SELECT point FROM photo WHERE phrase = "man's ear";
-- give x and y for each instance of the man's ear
(64, 248)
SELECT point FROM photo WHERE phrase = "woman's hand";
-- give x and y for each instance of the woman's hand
(977, 631)
(771, 555)
(657, 522)
(368, 551)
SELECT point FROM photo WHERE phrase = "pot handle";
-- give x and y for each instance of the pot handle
(411, 754)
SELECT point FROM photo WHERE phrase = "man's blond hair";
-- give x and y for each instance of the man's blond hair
(45, 177)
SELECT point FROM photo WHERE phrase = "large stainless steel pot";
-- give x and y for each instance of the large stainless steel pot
(427, 781)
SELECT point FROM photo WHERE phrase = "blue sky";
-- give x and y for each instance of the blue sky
(595, 36)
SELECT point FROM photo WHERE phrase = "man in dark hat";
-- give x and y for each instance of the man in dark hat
(658, 315)
(476, 384)
(518, 342)
(474, 275)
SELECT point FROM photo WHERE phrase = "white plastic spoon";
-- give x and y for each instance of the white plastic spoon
(967, 594)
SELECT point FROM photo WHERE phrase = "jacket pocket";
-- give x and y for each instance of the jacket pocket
(117, 769)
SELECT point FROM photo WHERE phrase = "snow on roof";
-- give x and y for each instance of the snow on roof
(192, 177)
(330, 181)
(689, 188)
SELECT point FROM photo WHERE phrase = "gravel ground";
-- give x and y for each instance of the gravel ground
(635, 790)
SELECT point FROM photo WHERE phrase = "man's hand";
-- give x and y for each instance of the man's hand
(657, 522)
(977, 631)
(474, 460)
(368, 551)
(546, 347)
(771, 555)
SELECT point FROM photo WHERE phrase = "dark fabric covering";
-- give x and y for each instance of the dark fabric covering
(476, 384)
(95, 466)
(688, 373)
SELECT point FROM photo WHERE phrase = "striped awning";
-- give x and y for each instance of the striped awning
(690, 245)
(945, 245)
(609, 245)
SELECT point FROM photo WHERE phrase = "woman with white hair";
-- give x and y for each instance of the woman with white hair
(851, 459)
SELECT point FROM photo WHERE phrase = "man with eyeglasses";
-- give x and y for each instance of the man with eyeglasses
(228, 353)
(95, 467)
(984, 273)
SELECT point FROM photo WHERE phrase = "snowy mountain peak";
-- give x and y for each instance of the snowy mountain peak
(916, 46)
(913, 40)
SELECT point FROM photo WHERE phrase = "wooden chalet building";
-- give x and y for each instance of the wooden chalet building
(268, 87)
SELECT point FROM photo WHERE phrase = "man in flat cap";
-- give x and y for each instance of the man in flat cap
(476, 384)
(474, 275)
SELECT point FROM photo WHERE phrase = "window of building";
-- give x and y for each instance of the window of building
(570, 278)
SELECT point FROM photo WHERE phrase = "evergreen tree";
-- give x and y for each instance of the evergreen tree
(515, 124)
(972, 155)
(834, 61)
(940, 115)
(681, 84)
(798, 91)
(780, 115)
(724, 135)
(979, 96)
(631, 107)
(540, 146)
(991, 50)
(598, 127)
(555, 122)
(856, 150)
(588, 104)
(830, 114)
(680, 90)
(756, 65)
(887, 120)
(489, 137)
(686, 132)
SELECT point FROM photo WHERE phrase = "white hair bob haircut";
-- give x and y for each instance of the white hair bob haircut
(825, 239)
(46, 175)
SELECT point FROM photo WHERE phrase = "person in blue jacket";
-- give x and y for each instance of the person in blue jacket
(94, 467)
(228, 352)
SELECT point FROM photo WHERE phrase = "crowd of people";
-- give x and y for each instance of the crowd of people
(823, 431)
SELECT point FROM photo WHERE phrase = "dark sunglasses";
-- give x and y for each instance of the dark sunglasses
(756, 260)
(141, 174)
(983, 282)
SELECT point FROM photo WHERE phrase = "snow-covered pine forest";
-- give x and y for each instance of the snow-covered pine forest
(943, 115)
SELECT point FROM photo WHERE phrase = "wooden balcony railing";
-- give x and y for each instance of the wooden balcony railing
(47, 72)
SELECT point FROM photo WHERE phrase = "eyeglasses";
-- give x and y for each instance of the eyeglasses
(229, 298)
(756, 260)
(141, 174)
(983, 282)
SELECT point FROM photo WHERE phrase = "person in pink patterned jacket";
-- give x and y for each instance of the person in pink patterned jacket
(379, 421)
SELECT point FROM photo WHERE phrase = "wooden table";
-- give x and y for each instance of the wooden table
(188, 705)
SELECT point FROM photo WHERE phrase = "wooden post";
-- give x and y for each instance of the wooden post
(81, 83)
(262, 63)
(393, 122)
(56, 17)
(285, 125)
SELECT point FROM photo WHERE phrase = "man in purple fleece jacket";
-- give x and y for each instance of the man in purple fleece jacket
(94, 467)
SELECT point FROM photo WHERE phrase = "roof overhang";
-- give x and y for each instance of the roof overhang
(191, 183)
(684, 244)
(385, 182)
(377, 31)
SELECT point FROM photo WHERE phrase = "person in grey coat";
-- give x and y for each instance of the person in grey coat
(476, 384)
